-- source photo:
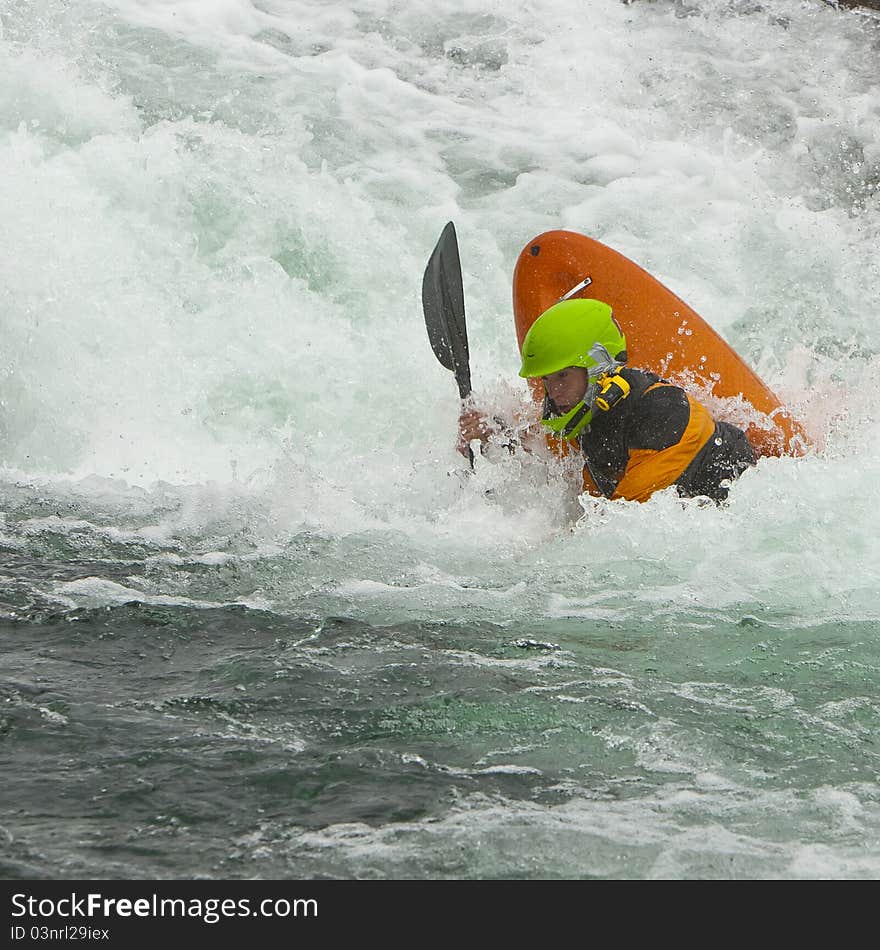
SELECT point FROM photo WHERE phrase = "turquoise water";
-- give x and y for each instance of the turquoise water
(257, 621)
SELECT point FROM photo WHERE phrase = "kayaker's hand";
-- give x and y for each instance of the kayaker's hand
(472, 424)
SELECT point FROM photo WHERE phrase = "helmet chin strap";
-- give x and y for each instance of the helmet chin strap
(573, 422)
(605, 389)
(605, 363)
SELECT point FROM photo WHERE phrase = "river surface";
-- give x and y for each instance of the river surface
(257, 619)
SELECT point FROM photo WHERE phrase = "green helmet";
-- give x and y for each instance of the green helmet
(567, 335)
(574, 333)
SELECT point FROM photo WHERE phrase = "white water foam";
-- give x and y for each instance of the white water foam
(215, 220)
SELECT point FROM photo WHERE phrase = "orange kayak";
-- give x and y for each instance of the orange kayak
(664, 335)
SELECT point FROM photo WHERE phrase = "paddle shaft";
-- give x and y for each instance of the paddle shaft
(443, 306)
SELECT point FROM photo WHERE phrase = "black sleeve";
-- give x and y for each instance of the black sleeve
(663, 416)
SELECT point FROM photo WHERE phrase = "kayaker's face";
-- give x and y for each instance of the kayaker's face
(567, 387)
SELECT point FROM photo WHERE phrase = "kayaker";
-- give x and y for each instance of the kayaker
(638, 433)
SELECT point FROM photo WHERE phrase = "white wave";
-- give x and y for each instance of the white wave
(215, 221)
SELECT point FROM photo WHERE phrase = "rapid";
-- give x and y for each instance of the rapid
(257, 617)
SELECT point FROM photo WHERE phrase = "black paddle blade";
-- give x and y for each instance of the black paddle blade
(443, 304)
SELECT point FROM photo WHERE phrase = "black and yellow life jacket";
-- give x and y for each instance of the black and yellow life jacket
(660, 436)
